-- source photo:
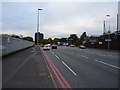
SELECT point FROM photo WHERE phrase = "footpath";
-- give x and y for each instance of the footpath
(27, 69)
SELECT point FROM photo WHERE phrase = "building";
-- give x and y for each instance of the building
(119, 15)
(40, 36)
(102, 41)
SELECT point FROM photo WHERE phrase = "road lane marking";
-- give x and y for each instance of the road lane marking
(84, 56)
(53, 53)
(107, 64)
(57, 73)
(53, 80)
(102, 55)
(57, 57)
(69, 68)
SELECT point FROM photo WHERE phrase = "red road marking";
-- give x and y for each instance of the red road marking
(56, 71)
(61, 75)
(61, 83)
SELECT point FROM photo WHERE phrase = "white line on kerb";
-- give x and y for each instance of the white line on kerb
(84, 56)
(57, 57)
(107, 64)
(69, 68)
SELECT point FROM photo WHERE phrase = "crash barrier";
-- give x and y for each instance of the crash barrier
(10, 44)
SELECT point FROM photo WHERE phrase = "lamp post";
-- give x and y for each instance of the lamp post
(117, 23)
(108, 32)
(38, 26)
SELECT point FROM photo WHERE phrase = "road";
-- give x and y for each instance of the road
(65, 67)
(86, 68)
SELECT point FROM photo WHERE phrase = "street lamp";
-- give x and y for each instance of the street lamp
(38, 25)
(117, 23)
(108, 32)
(109, 23)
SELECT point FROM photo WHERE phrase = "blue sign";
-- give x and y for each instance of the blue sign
(64, 43)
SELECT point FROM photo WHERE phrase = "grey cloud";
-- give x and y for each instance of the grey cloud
(57, 19)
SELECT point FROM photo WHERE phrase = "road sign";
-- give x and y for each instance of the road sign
(100, 42)
(108, 40)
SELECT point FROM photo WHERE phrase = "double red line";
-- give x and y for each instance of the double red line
(64, 84)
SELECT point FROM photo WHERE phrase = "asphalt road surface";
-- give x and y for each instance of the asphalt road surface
(65, 67)
(86, 68)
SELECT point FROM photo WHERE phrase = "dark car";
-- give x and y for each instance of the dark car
(54, 46)
(82, 47)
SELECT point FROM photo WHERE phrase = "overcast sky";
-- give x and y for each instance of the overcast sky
(57, 19)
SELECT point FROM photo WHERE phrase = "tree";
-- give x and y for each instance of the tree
(63, 40)
(15, 36)
(6, 34)
(50, 41)
(84, 38)
(28, 38)
(43, 41)
(73, 38)
(56, 40)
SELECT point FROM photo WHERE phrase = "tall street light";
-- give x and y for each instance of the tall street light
(38, 26)
(108, 32)
(117, 23)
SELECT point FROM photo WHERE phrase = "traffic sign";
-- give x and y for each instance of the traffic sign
(108, 40)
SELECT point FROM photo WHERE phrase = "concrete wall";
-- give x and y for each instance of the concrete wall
(9, 44)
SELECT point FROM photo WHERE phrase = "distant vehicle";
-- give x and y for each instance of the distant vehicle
(72, 45)
(67, 45)
(82, 47)
(54, 46)
(47, 47)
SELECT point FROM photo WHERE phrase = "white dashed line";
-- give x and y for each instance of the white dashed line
(106, 64)
(57, 57)
(102, 55)
(52, 52)
(84, 56)
(69, 68)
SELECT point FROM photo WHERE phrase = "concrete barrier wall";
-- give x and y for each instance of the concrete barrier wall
(9, 44)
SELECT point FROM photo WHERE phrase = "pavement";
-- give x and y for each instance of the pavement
(27, 69)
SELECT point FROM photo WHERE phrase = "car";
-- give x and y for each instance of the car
(72, 45)
(67, 45)
(47, 47)
(54, 46)
(82, 47)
